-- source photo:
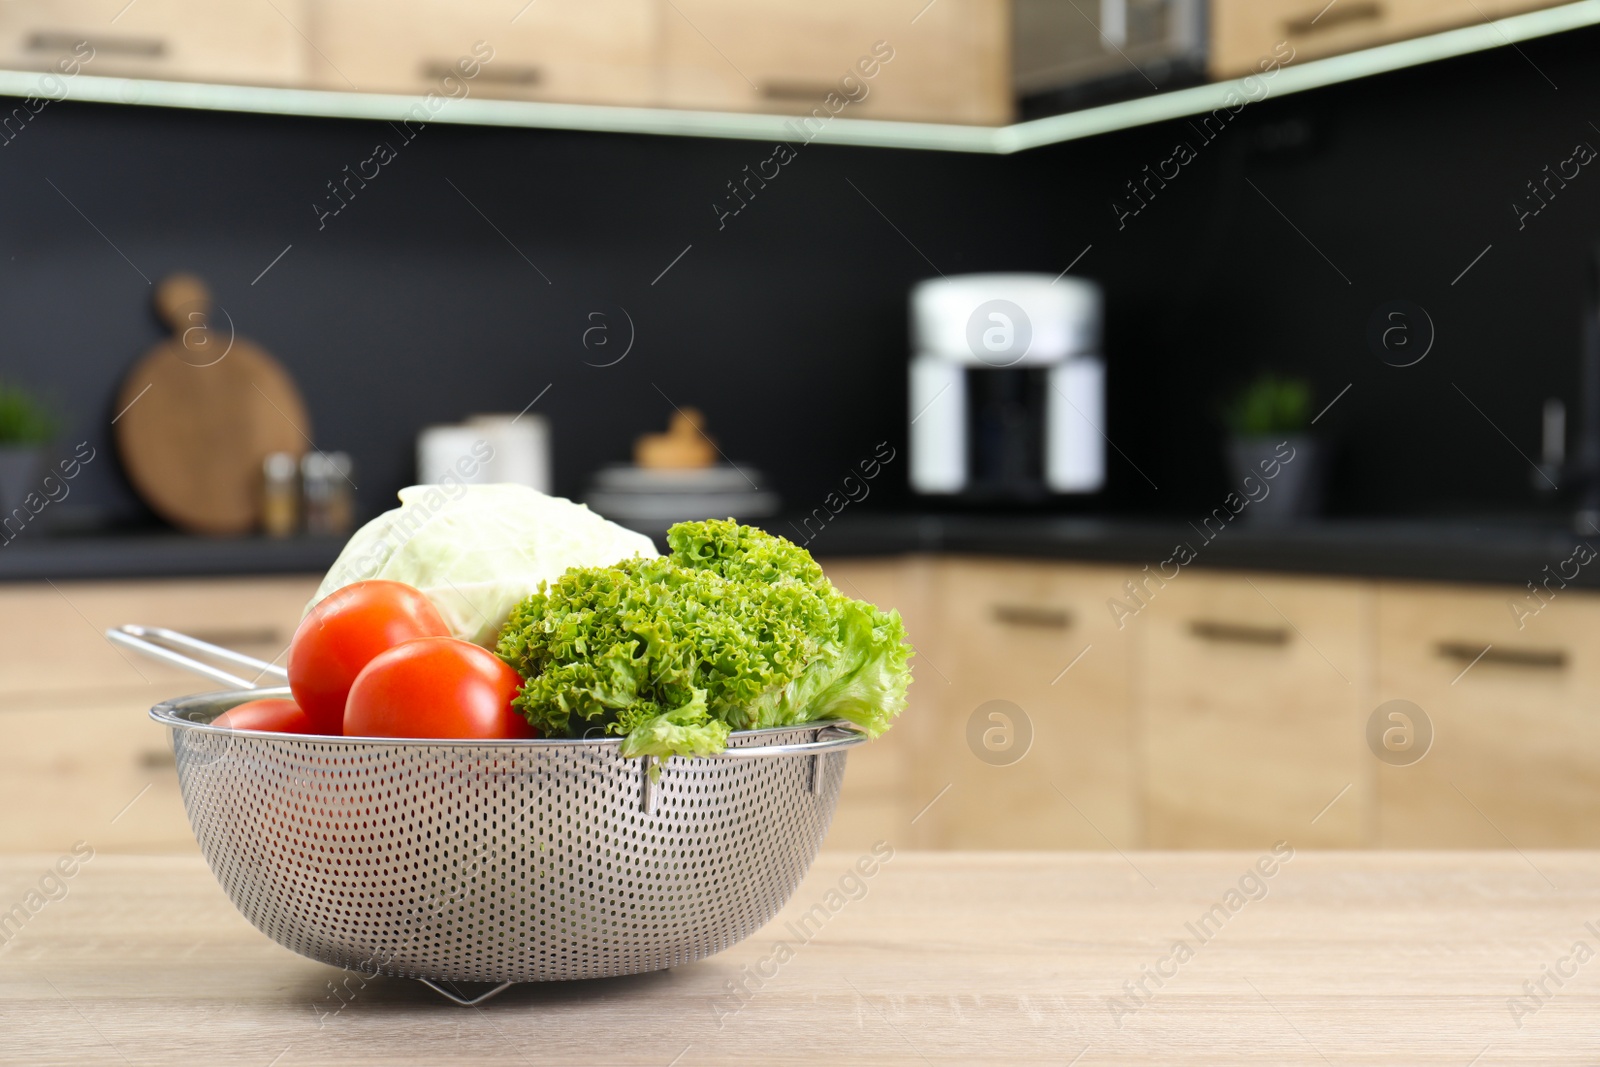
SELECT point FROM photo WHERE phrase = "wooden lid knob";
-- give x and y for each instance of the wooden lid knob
(684, 446)
(686, 422)
(183, 302)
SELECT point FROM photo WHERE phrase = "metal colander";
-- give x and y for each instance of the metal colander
(494, 861)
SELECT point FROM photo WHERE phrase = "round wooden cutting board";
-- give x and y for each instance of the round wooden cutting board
(199, 413)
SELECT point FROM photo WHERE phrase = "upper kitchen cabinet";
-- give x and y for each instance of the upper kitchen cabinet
(161, 39)
(883, 59)
(946, 75)
(1244, 32)
(1510, 701)
(1252, 690)
(596, 52)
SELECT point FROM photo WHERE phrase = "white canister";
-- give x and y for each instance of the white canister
(518, 451)
(448, 451)
(521, 449)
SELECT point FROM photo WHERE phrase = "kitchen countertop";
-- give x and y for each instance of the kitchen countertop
(158, 554)
(941, 958)
(1460, 550)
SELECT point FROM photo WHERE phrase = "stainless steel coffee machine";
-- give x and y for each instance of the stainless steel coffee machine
(1007, 387)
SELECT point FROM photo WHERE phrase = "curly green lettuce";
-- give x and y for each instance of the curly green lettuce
(735, 629)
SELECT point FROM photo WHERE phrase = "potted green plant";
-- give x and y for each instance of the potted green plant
(1269, 422)
(27, 425)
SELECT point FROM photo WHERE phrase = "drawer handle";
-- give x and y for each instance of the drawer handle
(798, 91)
(1333, 16)
(55, 43)
(156, 759)
(1029, 615)
(1466, 652)
(1239, 632)
(500, 73)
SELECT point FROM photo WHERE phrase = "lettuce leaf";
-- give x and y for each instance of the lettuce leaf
(736, 629)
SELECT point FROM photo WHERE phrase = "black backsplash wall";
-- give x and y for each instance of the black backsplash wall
(787, 326)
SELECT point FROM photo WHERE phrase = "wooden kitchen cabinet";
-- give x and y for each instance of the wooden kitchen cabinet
(596, 51)
(1028, 648)
(951, 64)
(89, 767)
(1228, 711)
(164, 39)
(1515, 715)
(1252, 692)
(992, 630)
(879, 798)
(1243, 32)
(51, 634)
(79, 757)
(1036, 636)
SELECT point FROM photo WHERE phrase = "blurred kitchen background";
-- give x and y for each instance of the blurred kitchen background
(995, 307)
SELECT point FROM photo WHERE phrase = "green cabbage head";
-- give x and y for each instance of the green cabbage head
(477, 550)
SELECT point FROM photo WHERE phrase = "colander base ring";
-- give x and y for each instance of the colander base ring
(466, 1002)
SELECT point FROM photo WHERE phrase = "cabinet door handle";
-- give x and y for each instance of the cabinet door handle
(1467, 652)
(56, 42)
(1032, 615)
(1332, 17)
(499, 74)
(798, 91)
(153, 759)
(1243, 633)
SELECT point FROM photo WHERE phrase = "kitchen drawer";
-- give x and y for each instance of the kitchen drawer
(89, 767)
(1029, 648)
(787, 56)
(252, 43)
(596, 51)
(1253, 693)
(878, 800)
(1515, 758)
(1245, 31)
(51, 636)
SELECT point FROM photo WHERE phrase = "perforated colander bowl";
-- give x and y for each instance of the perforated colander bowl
(498, 861)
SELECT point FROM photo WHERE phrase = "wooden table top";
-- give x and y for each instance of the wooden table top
(939, 958)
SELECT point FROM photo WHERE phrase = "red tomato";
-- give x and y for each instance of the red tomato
(343, 633)
(276, 715)
(437, 687)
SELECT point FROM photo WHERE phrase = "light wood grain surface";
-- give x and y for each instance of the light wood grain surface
(950, 958)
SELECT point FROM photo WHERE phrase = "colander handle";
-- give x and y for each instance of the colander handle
(840, 737)
(162, 644)
(836, 736)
